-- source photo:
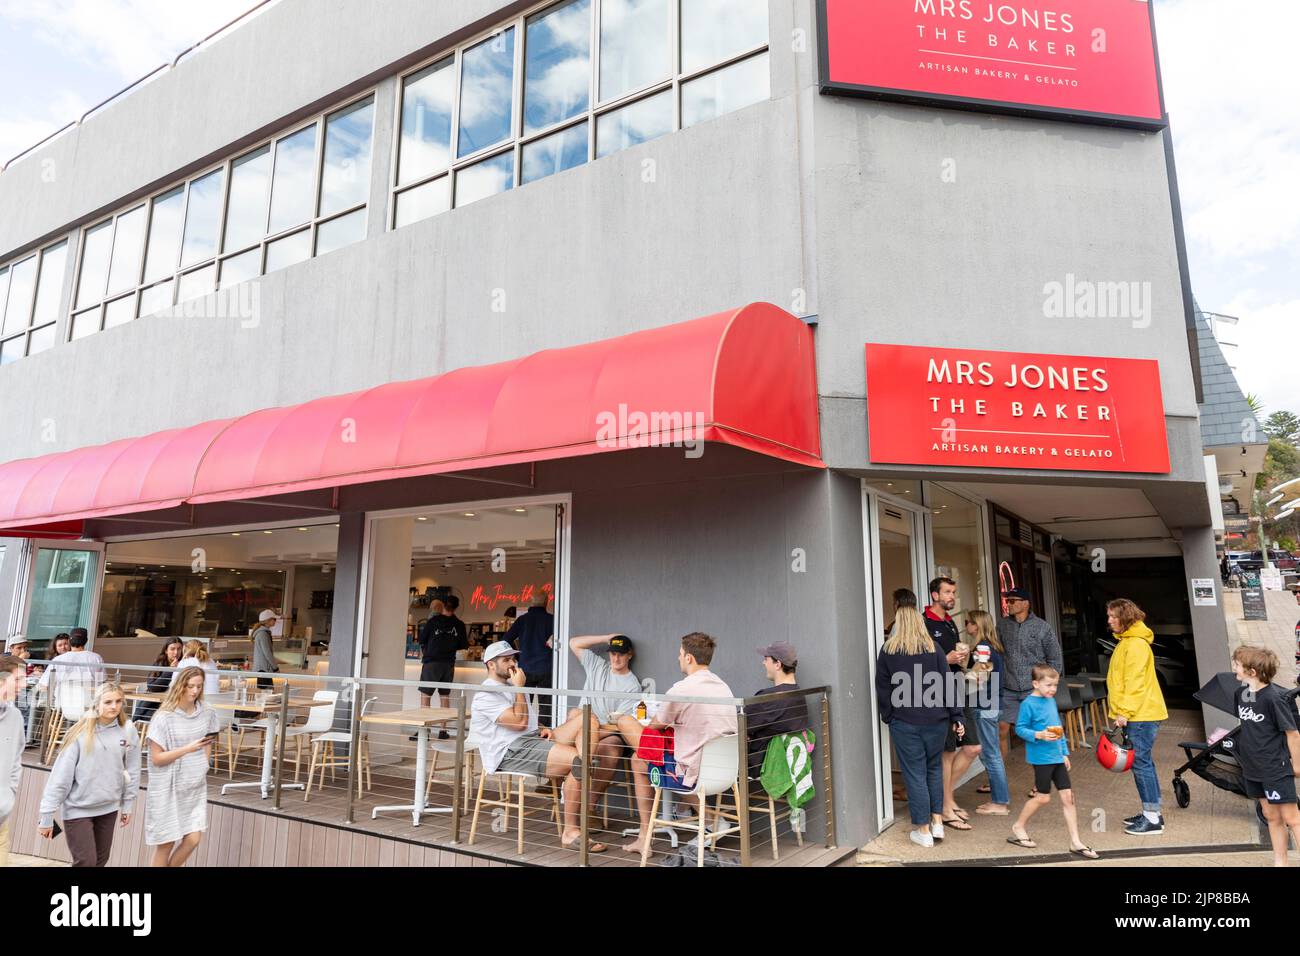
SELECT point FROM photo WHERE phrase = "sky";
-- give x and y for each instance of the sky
(1226, 66)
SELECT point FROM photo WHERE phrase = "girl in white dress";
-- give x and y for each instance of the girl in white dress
(176, 808)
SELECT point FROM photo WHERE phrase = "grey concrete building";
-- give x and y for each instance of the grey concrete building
(369, 224)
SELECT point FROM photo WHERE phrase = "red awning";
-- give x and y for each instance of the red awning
(745, 377)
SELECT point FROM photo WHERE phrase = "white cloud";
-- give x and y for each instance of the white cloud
(124, 38)
(1236, 123)
(1267, 341)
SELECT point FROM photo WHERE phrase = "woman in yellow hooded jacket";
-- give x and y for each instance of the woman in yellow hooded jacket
(1136, 704)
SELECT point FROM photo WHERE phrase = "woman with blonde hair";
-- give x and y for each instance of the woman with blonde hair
(918, 701)
(176, 808)
(96, 777)
(986, 671)
(196, 655)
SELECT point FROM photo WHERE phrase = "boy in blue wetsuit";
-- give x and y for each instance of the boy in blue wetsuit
(1047, 752)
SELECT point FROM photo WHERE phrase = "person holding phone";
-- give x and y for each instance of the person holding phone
(95, 778)
(176, 808)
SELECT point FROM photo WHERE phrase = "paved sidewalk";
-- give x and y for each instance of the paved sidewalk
(16, 859)
(1214, 818)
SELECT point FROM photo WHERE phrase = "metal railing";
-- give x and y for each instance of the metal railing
(756, 793)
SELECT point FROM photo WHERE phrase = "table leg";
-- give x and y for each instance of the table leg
(268, 753)
(421, 765)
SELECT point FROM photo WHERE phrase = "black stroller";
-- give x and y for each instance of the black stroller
(1215, 762)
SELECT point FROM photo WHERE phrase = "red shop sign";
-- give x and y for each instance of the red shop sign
(964, 407)
(1078, 59)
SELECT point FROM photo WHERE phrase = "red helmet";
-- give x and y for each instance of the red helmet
(1115, 752)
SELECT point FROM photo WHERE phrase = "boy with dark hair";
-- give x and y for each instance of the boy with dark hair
(1268, 744)
(1038, 724)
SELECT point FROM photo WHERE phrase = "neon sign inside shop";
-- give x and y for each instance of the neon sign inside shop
(482, 598)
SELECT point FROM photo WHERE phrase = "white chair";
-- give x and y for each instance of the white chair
(449, 747)
(71, 698)
(719, 770)
(323, 755)
(320, 720)
(511, 790)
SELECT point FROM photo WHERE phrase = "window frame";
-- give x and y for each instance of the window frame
(518, 140)
(29, 327)
(220, 254)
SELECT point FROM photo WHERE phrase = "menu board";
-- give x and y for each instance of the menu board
(1252, 603)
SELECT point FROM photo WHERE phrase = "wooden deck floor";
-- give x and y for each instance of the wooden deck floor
(245, 830)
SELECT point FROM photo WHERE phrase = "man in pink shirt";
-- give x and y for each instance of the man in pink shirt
(694, 725)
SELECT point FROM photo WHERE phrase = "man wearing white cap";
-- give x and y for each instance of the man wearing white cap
(505, 724)
(263, 651)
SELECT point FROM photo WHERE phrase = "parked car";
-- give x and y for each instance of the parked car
(1254, 560)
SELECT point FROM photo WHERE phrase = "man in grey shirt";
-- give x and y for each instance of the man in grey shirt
(263, 648)
(616, 675)
(1027, 640)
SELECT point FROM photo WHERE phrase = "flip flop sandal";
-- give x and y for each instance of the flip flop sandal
(993, 813)
(984, 789)
(957, 824)
(1032, 793)
(1088, 853)
(1024, 844)
(964, 814)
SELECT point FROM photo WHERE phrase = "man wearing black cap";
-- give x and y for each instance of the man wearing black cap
(1027, 640)
(770, 719)
(614, 675)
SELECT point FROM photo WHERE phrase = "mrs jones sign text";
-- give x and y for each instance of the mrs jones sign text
(1014, 410)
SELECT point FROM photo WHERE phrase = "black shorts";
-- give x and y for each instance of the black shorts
(444, 672)
(1279, 791)
(1047, 774)
(951, 742)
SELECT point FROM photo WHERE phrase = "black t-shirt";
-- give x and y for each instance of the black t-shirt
(1261, 740)
(763, 721)
(442, 636)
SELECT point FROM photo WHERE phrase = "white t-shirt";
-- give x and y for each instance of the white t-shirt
(90, 677)
(211, 680)
(494, 739)
(600, 676)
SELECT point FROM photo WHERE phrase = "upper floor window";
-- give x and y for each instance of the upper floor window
(574, 81)
(300, 194)
(29, 302)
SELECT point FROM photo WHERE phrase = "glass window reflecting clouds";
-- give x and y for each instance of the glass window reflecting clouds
(54, 264)
(634, 49)
(202, 218)
(119, 311)
(713, 30)
(197, 283)
(423, 201)
(345, 177)
(22, 285)
(427, 98)
(128, 246)
(288, 251)
(485, 179)
(85, 323)
(486, 91)
(165, 234)
(293, 191)
(155, 298)
(641, 121)
(557, 65)
(554, 153)
(250, 188)
(96, 246)
(41, 340)
(340, 232)
(725, 90)
(246, 265)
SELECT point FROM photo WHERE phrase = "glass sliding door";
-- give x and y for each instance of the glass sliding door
(896, 557)
(62, 589)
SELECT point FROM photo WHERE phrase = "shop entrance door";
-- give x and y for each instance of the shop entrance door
(61, 589)
(896, 557)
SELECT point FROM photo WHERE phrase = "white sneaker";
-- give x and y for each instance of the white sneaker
(936, 832)
(922, 839)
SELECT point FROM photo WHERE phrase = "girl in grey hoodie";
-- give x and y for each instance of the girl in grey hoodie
(96, 777)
